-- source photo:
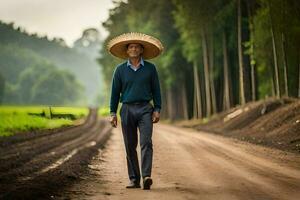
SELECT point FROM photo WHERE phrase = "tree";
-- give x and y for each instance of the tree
(227, 51)
(2, 87)
(240, 53)
(56, 88)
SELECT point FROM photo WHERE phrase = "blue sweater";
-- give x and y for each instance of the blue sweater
(134, 86)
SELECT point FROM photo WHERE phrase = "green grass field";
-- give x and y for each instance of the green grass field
(104, 111)
(16, 118)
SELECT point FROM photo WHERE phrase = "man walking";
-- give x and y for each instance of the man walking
(135, 83)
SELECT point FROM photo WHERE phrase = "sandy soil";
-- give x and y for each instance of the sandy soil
(37, 165)
(191, 164)
(272, 122)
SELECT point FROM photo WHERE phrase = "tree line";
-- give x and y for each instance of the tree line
(29, 78)
(37, 70)
(218, 53)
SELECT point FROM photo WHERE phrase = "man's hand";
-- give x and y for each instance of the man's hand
(155, 116)
(114, 121)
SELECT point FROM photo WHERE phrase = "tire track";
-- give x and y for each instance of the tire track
(38, 159)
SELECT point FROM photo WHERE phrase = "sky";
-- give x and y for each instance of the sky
(57, 18)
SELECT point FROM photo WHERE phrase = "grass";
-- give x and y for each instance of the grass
(16, 118)
(105, 111)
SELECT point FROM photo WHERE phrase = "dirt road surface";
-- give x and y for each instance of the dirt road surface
(189, 164)
(37, 165)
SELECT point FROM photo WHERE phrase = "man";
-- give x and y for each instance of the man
(135, 83)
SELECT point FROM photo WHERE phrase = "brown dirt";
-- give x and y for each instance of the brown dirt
(39, 164)
(190, 164)
(274, 123)
(70, 163)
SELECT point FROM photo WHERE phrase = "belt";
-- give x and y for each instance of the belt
(137, 103)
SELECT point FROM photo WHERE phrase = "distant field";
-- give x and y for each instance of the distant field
(25, 118)
(104, 111)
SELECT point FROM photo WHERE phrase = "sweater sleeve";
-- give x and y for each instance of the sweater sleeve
(115, 91)
(155, 87)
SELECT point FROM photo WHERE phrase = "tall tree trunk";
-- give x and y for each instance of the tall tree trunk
(299, 75)
(206, 73)
(276, 70)
(286, 88)
(170, 104)
(226, 98)
(197, 93)
(211, 78)
(252, 59)
(195, 109)
(240, 54)
(184, 102)
(273, 87)
(176, 103)
(164, 110)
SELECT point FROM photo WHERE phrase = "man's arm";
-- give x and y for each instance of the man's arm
(155, 86)
(115, 92)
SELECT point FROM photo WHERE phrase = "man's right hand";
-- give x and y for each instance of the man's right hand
(114, 121)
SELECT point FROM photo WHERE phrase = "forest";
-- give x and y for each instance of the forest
(217, 53)
(36, 70)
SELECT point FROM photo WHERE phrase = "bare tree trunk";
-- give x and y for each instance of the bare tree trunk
(252, 59)
(206, 73)
(299, 75)
(184, 102)
(226, 97)
(240, 54)
(286, 88)
(170, 104)
(176, 103)
(197, 93)
(211, 78)
(277, 87)
(273, 87)
(164, 111)
(195, 109)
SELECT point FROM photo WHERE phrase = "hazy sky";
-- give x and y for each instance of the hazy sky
(56, 18)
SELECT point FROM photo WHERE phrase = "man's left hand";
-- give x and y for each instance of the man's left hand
(155, 116)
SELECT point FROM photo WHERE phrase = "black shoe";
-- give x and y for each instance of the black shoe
(147, 183)
(133, 184)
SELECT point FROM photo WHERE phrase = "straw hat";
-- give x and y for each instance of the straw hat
(152, 46)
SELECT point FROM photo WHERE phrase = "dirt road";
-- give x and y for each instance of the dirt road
(38, 165)
(194, 165)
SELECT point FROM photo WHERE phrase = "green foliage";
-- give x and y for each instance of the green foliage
(55, 88)
(103, 111)
(263, 51)
(15, 118)
(2, 86)
(20, 51)
(14, 60)
(284, 16)
(180, 24)
(33, 80)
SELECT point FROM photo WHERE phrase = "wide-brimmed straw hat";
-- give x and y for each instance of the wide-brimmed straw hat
(118, 45)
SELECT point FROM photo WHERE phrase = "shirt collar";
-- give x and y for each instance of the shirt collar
(141, 62)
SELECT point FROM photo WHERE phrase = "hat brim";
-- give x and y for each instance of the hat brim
(118, 45)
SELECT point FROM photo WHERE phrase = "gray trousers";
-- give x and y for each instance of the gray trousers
(139, 116)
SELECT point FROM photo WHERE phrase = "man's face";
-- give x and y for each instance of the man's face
(134, 50)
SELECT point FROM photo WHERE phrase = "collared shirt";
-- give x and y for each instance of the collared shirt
(134, 68)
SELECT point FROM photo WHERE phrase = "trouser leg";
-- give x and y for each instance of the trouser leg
(129, 129)
(146, 127)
